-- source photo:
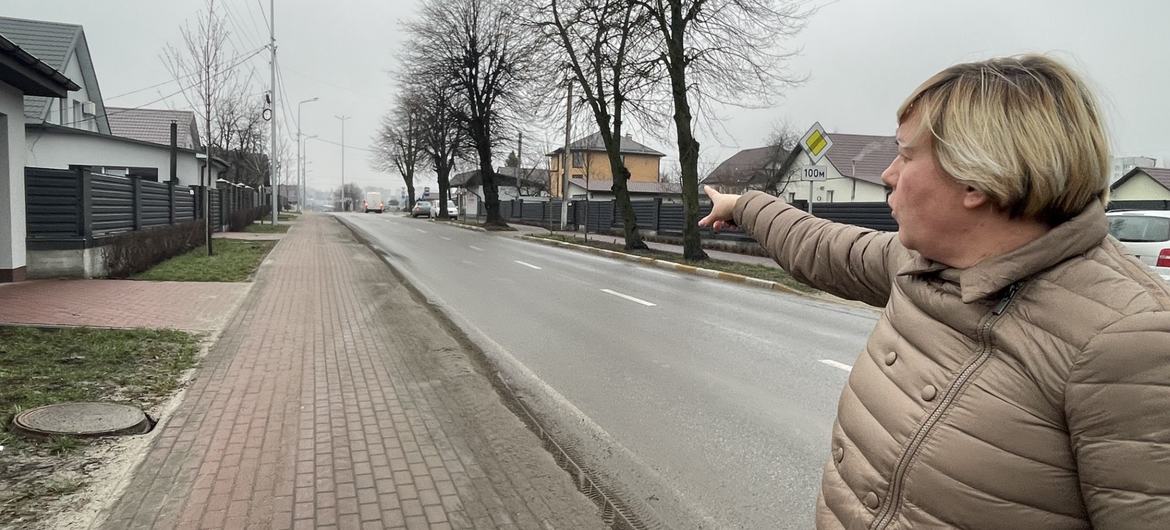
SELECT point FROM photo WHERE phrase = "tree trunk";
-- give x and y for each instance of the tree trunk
(487, 173)
(443, 173)
(621, 191)
(688, 151)
(409, 193)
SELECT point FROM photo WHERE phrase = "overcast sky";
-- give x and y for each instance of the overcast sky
(862, 57)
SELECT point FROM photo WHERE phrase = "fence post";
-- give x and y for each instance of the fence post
(171, 201)
(222, 216)
(136, 201)
(657, 212)
(85, 204)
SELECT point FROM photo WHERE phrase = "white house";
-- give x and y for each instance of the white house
(1142, 184)
(466, 188)
(78, 129)
(64, 48)
(22, 75)
(853, 169)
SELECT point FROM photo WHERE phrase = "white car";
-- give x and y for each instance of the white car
(1146, 235)
(452, 210)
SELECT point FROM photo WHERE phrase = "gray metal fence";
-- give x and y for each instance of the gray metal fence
(68, 208)
(668, 218)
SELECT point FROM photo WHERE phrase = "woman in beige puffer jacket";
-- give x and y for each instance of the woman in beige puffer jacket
(1019, 376)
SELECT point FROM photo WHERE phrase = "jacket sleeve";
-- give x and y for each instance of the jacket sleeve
(845, 260)
(1117, 404)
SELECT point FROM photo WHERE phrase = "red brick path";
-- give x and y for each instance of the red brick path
(193, 306)
(335, 400)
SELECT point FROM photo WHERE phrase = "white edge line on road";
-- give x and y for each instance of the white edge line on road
(444, 238)
(628, 297)
(475, 248)
(836, 364)
(529, 265)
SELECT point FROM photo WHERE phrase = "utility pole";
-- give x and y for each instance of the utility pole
(342, 118)
(300, 163)
(272, 72)
(519, 160)
(568, 158)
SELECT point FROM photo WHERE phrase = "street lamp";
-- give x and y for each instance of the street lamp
(300, 170)
(304, 162)
(342, 118)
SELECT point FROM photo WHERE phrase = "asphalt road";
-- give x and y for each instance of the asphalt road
(726, 393)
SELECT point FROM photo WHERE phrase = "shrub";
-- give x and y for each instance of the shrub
(132, 252)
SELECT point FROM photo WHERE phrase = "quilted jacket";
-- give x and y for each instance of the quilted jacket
(1029, 391)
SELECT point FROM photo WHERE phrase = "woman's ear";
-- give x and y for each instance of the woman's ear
(974, 199)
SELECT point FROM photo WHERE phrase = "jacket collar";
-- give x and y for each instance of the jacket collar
(1071, 238)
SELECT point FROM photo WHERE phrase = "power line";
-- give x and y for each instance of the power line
(169, 81)
(347, 146)
(172, 94)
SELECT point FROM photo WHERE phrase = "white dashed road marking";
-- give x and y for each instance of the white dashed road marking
(529, 265)
(475, 248)
(444, 238)
(628, 297)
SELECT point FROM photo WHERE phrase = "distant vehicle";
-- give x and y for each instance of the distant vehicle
(421, 208)
(1145, 235)
(452, 211)
(373, 202)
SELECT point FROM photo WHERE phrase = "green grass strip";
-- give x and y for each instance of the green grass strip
(234, 261)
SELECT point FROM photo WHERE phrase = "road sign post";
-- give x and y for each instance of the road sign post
(816, 142)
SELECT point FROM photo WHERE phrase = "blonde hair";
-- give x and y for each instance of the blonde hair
(1024, 130)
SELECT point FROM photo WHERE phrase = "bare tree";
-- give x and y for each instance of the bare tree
(781, 141)
(608, 47)
(443, 138)
(399, 144)
(479, 48)
(723, 50)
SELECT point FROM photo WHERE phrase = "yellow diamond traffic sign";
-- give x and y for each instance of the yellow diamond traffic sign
(816, 142)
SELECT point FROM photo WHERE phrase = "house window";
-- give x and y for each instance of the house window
(829, 195)
(76, 119)
(791, 197)
(578, 159)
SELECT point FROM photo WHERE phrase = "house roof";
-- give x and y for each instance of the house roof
(634, 186)
(862, 156)
(593, 142)
(55, 43)
(746, 166)
(30, 74)
(1159, 174)
(153, 125)
(504, 176)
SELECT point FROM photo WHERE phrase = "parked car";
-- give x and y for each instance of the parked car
(421, 208)
(452, 211)
(1146, 235)
(373, 202)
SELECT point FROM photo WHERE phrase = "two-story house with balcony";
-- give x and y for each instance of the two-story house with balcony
(589, 174)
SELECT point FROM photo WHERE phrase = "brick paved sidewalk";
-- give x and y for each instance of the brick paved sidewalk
(191, 306)
(336, 400)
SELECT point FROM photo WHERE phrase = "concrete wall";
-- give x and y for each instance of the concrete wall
(75, 263)
(12, 204)
(1140, 187)
(58, 150)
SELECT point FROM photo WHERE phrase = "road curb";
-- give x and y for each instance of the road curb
(670, 265)
(461, 225)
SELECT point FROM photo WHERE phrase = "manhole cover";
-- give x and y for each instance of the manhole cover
(82, 419)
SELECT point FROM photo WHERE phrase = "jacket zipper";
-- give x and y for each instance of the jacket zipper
(894, 501)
